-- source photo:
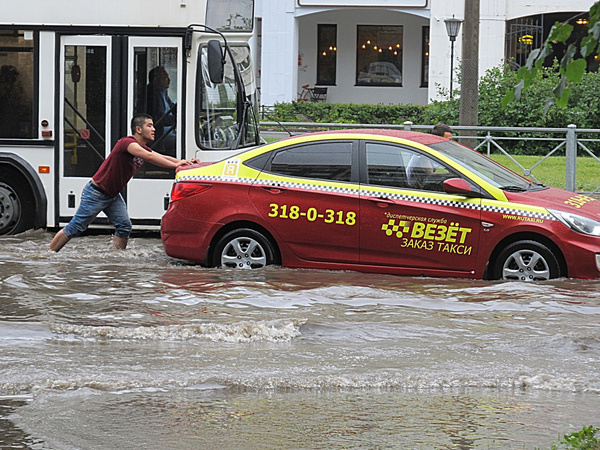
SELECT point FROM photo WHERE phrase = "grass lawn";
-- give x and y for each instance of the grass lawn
(552, 170)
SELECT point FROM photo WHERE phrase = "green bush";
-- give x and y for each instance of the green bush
(583, 108)
(584, 439)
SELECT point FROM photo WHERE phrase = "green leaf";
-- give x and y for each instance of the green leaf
(564, 98)
(575, 70)
(519, 89)
(558, 90)
(588, 46)
(546, 51)
(594, 30)
(567, 58)
(508, 98)
(549, 103)
(526, 75)
(560, 32)
(595, 13)
(532, 58)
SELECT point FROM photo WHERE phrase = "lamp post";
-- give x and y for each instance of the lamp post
(452, 28)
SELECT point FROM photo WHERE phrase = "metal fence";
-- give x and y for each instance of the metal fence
(570, 142)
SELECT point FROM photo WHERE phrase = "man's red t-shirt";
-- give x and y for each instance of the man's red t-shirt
(120, 166)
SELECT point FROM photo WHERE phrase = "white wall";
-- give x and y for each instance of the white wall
(279, 51)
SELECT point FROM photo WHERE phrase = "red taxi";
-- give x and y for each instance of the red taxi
(383, 201)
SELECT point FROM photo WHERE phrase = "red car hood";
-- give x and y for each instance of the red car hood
(559, 199)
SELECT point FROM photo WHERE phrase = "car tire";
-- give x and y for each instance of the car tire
(17, 207)
(526, 261)
(243, 248)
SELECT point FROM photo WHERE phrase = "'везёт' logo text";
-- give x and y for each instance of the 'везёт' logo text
(430, 236)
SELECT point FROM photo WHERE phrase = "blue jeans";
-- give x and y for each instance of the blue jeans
(92, 202)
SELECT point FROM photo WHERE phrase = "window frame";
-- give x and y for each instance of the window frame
(321, 28)
(364, 178)
(354, 177)
(399, 55)
(35, 76)
(425, 46)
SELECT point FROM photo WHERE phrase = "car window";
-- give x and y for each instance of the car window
(322, 160)
(484, 167)
(390, 165)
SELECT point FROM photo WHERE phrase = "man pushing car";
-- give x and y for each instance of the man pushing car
(103, 191)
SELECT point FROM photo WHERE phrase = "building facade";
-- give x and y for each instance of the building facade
(390, 52)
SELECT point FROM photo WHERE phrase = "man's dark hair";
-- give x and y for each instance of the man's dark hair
(156, 72)
(138, 121)
(440, 129)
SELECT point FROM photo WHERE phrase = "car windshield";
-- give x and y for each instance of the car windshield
(492, 172)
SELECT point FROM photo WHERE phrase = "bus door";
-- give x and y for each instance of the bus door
(85, 98)
(155, 72)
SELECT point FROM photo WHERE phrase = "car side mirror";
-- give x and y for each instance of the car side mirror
(216, 62)
(460, 187)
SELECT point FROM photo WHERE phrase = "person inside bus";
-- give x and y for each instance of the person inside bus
(103, 191)
(12, 103)
(420, 167)
(160, 106)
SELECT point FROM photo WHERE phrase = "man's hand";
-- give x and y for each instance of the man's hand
(185, 162)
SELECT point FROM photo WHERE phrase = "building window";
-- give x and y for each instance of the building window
(379, 55)
(327, 56)
(425, 58)
(16, 84)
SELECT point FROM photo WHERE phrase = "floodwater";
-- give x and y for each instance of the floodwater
(132, 349)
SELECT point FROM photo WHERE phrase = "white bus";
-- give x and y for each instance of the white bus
(74, 72)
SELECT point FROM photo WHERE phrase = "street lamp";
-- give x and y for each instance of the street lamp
(452, 28)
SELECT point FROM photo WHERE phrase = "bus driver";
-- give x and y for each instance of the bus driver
(103, 192)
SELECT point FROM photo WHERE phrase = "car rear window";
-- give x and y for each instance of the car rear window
(321, 160)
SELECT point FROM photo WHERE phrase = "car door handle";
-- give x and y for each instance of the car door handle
(273, 189)
(382, 201)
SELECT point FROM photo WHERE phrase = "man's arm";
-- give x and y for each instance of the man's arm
(155, 158)
(170, 158)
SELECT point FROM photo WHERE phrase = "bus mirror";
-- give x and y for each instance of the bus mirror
(215, 62)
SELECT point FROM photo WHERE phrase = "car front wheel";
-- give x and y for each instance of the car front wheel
(244, 249)
(526, 261)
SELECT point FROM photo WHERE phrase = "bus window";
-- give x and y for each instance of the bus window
(84, 109)
(155, 93)
(222, 116)
(16, 84)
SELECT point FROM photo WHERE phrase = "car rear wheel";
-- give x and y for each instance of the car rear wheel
(526, 261)
(243, 248)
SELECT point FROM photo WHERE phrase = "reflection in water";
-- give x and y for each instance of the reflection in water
(167, 354)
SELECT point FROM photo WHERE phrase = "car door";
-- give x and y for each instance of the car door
(410, 223)
(308, 195)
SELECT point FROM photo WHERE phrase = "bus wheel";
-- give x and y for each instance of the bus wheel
(16, 209)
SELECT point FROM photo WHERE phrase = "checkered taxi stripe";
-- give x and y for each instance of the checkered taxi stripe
(389, 195)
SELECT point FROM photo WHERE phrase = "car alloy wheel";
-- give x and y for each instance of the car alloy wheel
(244, 249)
(526, 261)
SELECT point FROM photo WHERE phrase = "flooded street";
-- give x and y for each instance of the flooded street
(133, 349)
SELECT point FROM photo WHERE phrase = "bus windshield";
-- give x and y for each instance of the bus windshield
(226, 112)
